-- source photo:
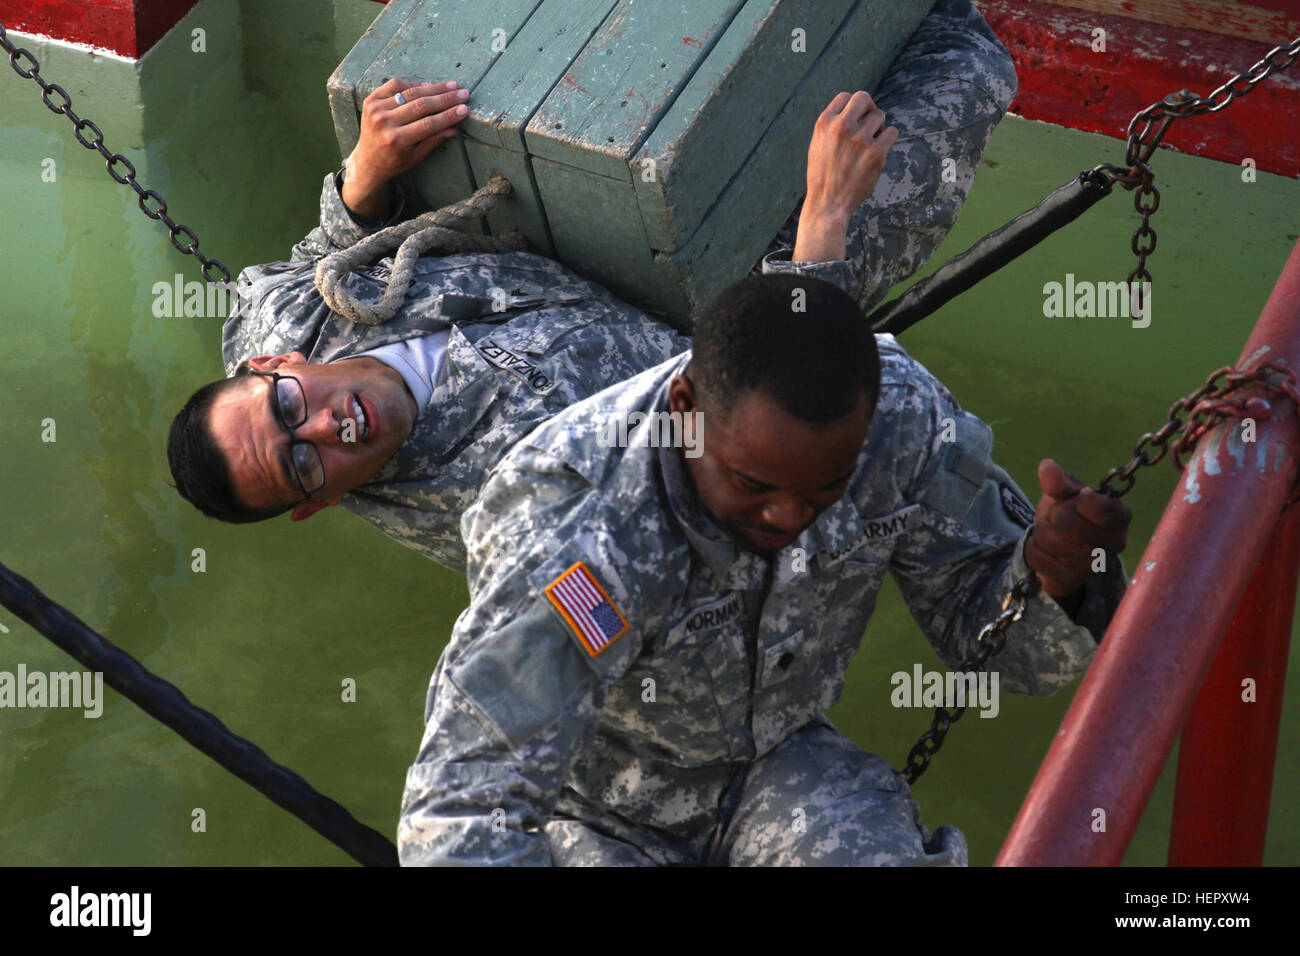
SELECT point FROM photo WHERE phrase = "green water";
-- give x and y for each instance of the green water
(284, 613)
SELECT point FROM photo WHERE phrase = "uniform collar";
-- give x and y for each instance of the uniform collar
(836, 529)
(466, 388)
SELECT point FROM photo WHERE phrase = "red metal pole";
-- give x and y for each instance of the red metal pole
(1098, 775)
(1229, 744)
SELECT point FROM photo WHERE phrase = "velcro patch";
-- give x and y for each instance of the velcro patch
(589, 611)
(1016, 509)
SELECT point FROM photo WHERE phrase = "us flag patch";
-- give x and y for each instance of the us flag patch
(585, 605)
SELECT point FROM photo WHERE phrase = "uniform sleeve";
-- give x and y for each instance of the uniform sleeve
(515, 698)
(339, 227)
(945, 93)
(968, 551)
(836, 271)
(276, 303)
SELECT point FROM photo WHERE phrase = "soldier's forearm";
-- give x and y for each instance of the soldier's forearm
(366, 198)
(448, 833)
(822, 236)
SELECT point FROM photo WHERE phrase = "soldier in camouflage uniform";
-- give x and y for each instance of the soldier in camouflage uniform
(563, 338)
(655, 630)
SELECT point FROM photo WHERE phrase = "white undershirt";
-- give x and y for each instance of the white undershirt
(417, 360)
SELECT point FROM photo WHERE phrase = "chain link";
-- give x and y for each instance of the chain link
(1142, 142)
(1184, 104)
(112, 161)
(1206, 407)
(992, 638)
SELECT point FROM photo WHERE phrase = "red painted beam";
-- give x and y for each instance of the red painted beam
(1229, 745)
(1094, 784)
(127, 27)
(1063, 81)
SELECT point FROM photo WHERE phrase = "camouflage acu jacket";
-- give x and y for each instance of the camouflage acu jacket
(561, 339)
(696, 657)
(564, 338)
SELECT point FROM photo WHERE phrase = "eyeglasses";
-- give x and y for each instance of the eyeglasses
(291, 408)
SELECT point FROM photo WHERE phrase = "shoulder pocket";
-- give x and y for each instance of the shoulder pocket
(520, 678)
(963, 465)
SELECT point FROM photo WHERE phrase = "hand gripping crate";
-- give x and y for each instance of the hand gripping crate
(654, 146)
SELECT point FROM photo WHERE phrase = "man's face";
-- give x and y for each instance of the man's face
(256, 445)
(766, 475)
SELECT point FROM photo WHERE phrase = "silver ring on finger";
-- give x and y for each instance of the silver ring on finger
(401, 100)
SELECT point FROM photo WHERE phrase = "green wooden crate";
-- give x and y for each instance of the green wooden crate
(654, 145)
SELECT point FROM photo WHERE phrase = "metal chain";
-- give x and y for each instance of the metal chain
(113, 161)
(992, 638)
(1206, 407)
(1185, 104)
(1139, 175)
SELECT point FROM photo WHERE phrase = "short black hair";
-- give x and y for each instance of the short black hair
(200, 470)
(801, 340)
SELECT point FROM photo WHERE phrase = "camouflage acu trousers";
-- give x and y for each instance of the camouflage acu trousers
(945, 93)
(820, 800)
(817, 799)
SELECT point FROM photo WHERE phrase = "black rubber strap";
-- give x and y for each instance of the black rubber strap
(165, 702)
(990, 254)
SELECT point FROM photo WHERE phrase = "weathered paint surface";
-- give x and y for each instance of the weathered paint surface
(433, 42)
(127, 27)
(704, 138)
(596, 236)
(624, 81)
(508, 97)
(766, 189)
(345, 84)
(530, 68)
(1063, 80)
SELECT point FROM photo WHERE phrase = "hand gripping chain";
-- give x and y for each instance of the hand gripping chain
(1210, 404)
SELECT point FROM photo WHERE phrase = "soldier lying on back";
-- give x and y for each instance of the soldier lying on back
(652, 638)
(400, 422)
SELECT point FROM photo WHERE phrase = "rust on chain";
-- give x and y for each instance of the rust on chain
(111, 160)
(1136, 173)
(1206, 407)
(1218, 399)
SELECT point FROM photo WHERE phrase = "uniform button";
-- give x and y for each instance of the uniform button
(785, 660)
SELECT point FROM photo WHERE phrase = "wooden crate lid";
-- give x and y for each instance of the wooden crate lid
(574, 100)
